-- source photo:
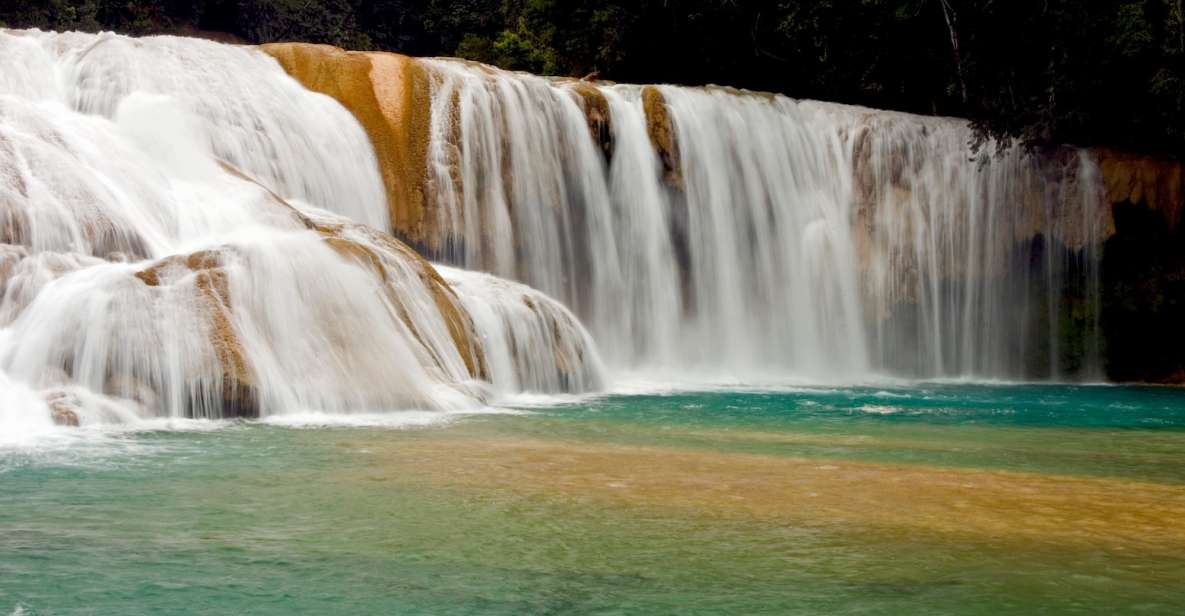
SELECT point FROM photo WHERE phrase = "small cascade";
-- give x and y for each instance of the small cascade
(739, 234)
(303, 145)
(186, 232)
(531, 342)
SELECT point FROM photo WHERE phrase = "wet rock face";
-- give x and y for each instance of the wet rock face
(389, 94)
(456, 319)
(238, 393)
(1154, 183)
(661, 130)
(530, 341)
(61, 409)
(596, 109)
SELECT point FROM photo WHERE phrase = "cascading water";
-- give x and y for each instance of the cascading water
(179, 236)
(733, 233)
(531, 342)
(186, 231)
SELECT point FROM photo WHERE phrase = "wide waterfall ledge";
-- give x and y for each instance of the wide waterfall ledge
(730, 234)
(193, 229)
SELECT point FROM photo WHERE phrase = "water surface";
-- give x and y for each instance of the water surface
(928, 499)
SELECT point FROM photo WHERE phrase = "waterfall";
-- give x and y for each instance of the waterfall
(531, 341)
(185, 231)
(726, 233)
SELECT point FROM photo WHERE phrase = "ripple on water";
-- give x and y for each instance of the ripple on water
(642, 504)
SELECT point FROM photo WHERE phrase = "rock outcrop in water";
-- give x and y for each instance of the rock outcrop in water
(379, 253)
(534, 342)
(661, 131)
(596, 109)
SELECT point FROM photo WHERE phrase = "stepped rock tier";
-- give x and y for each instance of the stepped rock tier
(185, 231)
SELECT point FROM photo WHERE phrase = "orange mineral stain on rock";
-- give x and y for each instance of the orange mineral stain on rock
(596, 112)
(389, 94)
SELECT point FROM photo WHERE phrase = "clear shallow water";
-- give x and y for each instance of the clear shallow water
(942, 499)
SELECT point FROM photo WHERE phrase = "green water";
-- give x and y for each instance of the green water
(260, 519)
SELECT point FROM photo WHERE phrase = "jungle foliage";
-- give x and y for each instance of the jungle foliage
(1077, 71)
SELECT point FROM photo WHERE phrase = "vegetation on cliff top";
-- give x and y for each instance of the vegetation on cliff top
(1081, 71)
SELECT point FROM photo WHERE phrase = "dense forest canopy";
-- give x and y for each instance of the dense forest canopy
(1050, 71)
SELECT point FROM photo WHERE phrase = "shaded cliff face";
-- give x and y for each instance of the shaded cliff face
(1144, 268)
(1156, 184)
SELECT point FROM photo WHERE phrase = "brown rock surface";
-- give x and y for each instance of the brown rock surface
(61, 409)
(389, 95)
(459, 324)
(1155, 183)
(457, 319)
(596, 110)
(238, 383)
(662, 134)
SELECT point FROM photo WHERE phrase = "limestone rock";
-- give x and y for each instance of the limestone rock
(64, 416)
(1143, 180)
(596, 110)
(389, 94)
(367, 254)
(238, 394)
(458, 321)
(61, 409)
(661, 130)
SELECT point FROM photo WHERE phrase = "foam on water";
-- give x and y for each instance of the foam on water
(879, 409)
(401, 419)
(24, 415)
